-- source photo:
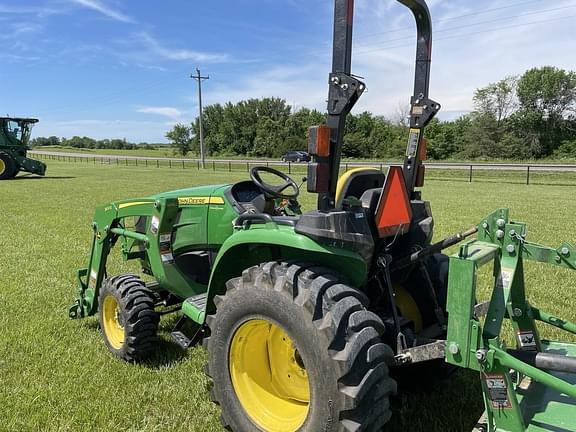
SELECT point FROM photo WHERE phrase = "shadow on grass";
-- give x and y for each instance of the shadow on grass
(166, 352)
(436, 399)
(30, 177)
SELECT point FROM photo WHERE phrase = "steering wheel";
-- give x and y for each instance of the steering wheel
(274, 191)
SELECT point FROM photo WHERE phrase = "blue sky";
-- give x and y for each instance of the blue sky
(120, 69)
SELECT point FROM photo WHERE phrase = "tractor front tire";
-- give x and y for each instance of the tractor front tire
(292, 348)
(8, 167)
(128, 321)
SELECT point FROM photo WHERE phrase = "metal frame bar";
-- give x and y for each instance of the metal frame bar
(479, 347)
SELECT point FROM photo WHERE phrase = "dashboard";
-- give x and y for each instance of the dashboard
(246, 196)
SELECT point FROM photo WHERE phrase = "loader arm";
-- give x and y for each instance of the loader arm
(153, 248)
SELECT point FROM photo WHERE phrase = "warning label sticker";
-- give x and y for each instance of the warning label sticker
(505, 278)
(413, 142)
(497, 391)
(167, 258)
(93, 278)
(165, 247)
(154, 224)
(527, 339)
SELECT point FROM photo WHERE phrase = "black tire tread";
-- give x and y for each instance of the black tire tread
(141, 324)
(11, 168)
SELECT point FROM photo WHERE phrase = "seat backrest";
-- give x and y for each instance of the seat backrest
(370, 199)
(355, 182)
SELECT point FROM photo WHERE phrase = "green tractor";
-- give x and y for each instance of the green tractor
(14, 138)
(304, 316)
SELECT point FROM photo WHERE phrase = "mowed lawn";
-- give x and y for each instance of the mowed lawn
(56, 374)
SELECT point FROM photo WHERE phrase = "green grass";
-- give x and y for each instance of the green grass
(166, 151)
(57, 375)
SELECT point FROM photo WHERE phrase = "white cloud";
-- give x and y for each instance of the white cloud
(300, 85)
(98, 6)
(175, 53)
(161, 111)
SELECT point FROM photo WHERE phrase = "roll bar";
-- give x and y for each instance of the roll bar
(345, 89)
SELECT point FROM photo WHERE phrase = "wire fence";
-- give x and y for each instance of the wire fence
(557, 174)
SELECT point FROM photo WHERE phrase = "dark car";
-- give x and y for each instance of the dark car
(296, 156)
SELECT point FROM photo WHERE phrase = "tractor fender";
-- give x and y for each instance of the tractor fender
(259, 243)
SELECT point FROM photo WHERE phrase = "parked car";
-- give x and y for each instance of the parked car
(296, 156)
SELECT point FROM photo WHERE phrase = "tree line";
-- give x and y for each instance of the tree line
(89, 143)
(531, 116)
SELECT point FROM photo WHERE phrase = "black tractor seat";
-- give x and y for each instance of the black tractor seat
(370, 199)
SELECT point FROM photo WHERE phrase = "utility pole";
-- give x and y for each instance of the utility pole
(198, 77)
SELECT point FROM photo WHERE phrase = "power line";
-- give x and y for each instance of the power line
(474, 24)
(472, 33)
(475, 13)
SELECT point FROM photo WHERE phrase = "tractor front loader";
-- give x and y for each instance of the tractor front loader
(304, 315)
(14, 138)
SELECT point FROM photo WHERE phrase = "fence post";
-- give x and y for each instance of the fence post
(229, 166)
(470, 181)
(146, 162)
(248, 166)
(170, 162)
(213, 165)
(346, 166)
(94, 160)
(198, 164)
(289, 167)
(182, 163)
(136, 162)
(126, 160)
(528, 175)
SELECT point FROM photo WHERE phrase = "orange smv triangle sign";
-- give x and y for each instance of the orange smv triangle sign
(393, 214)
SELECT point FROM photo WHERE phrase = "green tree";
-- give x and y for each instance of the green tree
(179, 137)
(497, 99)
(547, 98)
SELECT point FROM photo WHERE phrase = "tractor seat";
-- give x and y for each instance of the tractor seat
(370, 199)
(355, 182)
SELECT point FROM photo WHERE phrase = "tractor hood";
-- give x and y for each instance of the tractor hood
(198, 191)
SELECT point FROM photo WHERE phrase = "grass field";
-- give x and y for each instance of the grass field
(56, 374)
(158, 152)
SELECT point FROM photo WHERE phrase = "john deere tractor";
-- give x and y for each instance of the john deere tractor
(14, 138)
(304, 315)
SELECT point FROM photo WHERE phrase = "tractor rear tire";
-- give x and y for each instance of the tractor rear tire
(128, 321)
(8, 167)
(293, 348)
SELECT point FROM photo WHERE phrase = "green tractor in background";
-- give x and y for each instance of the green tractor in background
(303, 315)
(14, 138)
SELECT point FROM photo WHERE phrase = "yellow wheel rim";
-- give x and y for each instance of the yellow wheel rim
(408, 307)
(112, 322)
(2, 167)
(269, 377)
